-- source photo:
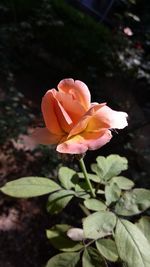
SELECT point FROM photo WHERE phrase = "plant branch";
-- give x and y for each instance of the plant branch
(82, 165)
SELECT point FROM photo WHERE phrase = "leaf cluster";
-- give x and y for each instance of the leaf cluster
(106, 233)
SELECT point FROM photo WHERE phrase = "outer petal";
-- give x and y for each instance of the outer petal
(87, 141)
(43, 136)
(78, 90)
(115, 119)
(64, 119)
(75, 145)
(97, 140)
(49, 114)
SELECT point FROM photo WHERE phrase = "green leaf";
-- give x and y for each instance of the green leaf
(94, 204)
(100, 192)
(81, 190)
(82, 194)
(82, 186)
(123, 182)
(99, 224)
(57, 236)
(91, 258)
(107, 248)
(64, 260)
(59, 200)
(112, 193)
(67, 177)
(144, 225)
(133, 202)
(132, 246)
(30, 187)
(109, 167)
(101, 167)
(99, 172)
(91, 176)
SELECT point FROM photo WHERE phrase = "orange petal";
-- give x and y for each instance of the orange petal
(43, 136)
(84, 121)
(49, 114)
(63, 117)
(96, 124)
(75, 145)
(72, 106)
(87, 141)
(115, 119)
(96, 140)
(78, 90)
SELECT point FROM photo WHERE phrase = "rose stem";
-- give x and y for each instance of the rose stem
(82, 165)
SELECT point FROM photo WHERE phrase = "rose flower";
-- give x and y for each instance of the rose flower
(73, 123)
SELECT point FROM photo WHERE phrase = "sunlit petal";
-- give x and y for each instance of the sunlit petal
(115, 119)
(72, 106)
(84, 121)
(78, 90)
(79, 144)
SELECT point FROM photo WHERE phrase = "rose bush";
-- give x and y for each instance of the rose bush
(73, 123)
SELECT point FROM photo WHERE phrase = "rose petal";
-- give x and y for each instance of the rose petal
(75, 145)
(97, 139)
(63, 118)
(43, 136)
(49, 114)
(81, 143)
(115, 119)
(72, 106)
(78, 90)
(84, 121)
(95, 124)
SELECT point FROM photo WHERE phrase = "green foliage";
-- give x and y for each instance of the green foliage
(91, 258)
(144, 225)
(108, 167)
(122, 182)
(91, 176)
(133, 202)
(67, 177)
(64, 259)
(57, 236)
(107, 248)
(94, 204)
(112, 193)
(132, 246)
(59, 200)
(104, 235)
(30, 187)
(99, 224)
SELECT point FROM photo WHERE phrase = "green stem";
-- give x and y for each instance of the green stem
(82, 165)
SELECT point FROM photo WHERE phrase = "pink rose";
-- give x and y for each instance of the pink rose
(73, 123)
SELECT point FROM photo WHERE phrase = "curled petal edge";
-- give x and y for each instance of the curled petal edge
(87, 141)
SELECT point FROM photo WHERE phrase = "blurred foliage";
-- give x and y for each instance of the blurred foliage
(15, 112)
(64, 38)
